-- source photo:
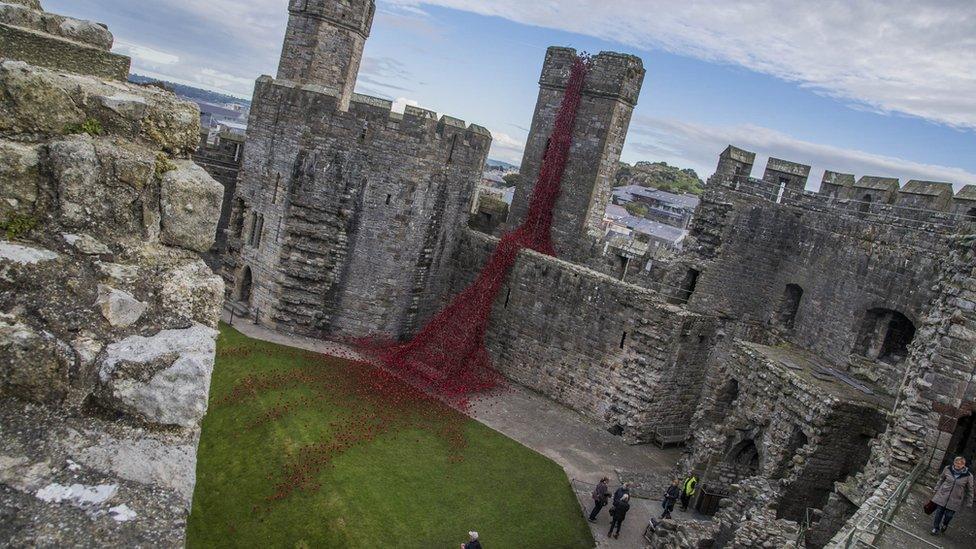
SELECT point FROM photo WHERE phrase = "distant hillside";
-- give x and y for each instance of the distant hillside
(189, 92)
(659, 175)
(491, 163)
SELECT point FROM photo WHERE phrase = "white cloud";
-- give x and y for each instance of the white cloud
(506, 148)
(400, 104)
(145, 54)
(698, 146)
(906, 56)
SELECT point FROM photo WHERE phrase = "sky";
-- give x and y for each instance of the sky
(870, 88)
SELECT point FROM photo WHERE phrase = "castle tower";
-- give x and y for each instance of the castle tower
(610, 93)
(324, 44)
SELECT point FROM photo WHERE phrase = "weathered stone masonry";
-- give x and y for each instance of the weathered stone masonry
(107, 312)
(346, 213)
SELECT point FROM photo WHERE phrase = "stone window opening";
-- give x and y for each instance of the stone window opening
(237, 223)
(688, 285)
(789, 305)
(782, 189)
(623, 339)
(885, 335)
(963, 441)
(277, 188)
(450, 154)
(865, 205)
(364, 132)
(388, 198)
(244, 291)
(257, 228)
(253, 225)
(971, 214)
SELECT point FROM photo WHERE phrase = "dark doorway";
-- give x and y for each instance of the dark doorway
(687, 286)
(865, 205)
(885, 335)
(244, 294)
(789, 305)
(963, 442)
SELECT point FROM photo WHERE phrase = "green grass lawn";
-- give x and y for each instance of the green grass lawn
(422, 481)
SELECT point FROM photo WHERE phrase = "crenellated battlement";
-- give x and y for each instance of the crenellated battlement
(354, 15)
(785, 181)
(611, 74)
(372, 116)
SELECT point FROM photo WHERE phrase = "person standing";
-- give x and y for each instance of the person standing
(619, 513)
(473, 542)
(954, 487)
(623, 490)
(688, 488)
(670, 497)
(600, 496)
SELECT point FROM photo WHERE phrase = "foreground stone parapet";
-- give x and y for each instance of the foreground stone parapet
(58, 42)
(190, 201)
(162, 379)
(107, 311)
(47, 102)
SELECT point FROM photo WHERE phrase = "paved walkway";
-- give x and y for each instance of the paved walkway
(581, 447)
(960, 535)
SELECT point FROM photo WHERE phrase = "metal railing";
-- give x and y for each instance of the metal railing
(875, 523)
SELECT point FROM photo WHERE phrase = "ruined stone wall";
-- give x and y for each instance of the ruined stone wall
(610, 93)
(610, 350)
(359, 210)
(749, 249)
(767, 412)
(107, 312)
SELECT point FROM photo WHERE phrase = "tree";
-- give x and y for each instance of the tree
(511, 179)
(636, 209)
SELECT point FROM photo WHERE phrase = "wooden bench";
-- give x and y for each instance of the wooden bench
(670, 434)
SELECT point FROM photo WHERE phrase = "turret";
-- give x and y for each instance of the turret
(324, 44)
(610, 92)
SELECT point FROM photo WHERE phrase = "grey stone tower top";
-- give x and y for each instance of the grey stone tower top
(610, 91)
(324, 44)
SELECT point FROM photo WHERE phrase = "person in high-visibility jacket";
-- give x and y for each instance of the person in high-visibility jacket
(688, 487)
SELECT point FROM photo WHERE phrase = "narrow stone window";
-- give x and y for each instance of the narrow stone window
(277, 188)
(782, 189)
(688, 285)
(388, 198)
(254, 226)
(865, 205)
(450, 154)
(623, 339)
(508, 295)
(237, 223)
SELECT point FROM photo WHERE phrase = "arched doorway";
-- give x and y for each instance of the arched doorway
(244, 290)
(885, 335)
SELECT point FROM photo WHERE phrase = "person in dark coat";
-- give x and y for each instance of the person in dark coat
(670, 497)
(600, 495)
(955, 487)
(473, 543)
(624, 489)
(619, 513)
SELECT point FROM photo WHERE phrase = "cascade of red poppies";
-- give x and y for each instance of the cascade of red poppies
(448, 355)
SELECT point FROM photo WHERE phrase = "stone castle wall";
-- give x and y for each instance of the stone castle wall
(613, 351)
(358, 209)
(749, 249)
